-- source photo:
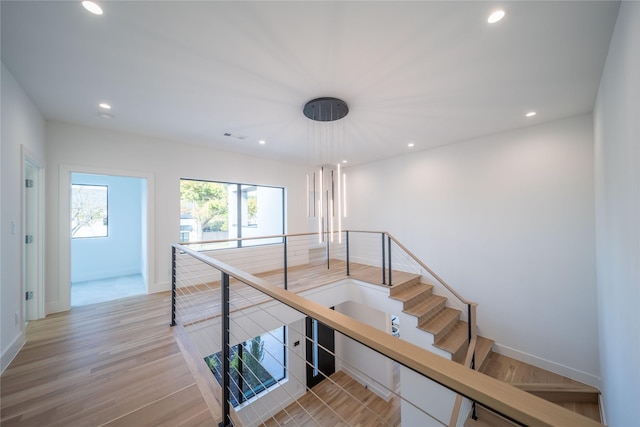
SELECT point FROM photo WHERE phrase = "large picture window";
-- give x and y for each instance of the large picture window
(256, 365)
(212, 210)
(89, 211)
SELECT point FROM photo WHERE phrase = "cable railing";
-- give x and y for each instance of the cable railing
(355, 254)
(255, 334)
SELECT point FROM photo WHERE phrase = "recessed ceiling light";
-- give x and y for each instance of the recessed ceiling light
(344, 161)
(496, 16)
(262, 142)
(104, 105)
(92, 7)
(530, 114)
(410, 144)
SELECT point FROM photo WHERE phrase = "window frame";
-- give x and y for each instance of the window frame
(239, 211)
(106, 216)
(238, 350)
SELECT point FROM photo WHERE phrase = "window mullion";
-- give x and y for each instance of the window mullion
(240, 351)
(239, 213)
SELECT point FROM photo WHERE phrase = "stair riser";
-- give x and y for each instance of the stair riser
(402, 286)
(444, 331)
(428, 315)
(408, 305)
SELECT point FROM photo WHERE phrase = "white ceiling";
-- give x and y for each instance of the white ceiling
(431, 73)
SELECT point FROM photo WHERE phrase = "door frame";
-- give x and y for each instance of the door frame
(313, 380)
(35, 259)
(64, 241)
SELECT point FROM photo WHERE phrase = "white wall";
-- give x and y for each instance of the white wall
(367, 366)
(617, 161)
(71, 147)
(508, 221)
(22, 126)
(120, 252)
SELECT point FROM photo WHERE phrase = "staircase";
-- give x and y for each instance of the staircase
(450, 333)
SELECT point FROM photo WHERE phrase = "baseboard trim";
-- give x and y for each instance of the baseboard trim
(56, 307)
(154, 288)
(550, 366)
(365, 381)
(103, 275)
(12, 351)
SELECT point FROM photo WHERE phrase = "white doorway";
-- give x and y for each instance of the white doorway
(61, 300)
(108, 223)
(33, 236)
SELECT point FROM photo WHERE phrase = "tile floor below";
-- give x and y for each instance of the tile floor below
(95, 291)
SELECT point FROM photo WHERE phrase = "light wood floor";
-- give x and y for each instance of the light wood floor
(330, 405)
(118, 364)
(113, 364)
(512, 371)
(202, 301)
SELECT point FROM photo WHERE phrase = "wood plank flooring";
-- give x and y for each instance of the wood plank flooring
(120, 364)
(202, 301)
(110, 364)
(515, 372)
(330, 405)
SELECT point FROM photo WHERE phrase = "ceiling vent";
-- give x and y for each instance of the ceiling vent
(231, 135)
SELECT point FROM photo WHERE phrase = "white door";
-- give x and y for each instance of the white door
(32, 264)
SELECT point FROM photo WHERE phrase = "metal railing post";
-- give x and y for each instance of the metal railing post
(226, 375)
(347, 248)
(173, 286)
(384, 273)
(285, 263)
(328, 265)
(469, 323)
(389, 255)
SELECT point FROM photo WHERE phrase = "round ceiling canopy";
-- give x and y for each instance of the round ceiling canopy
(325, 109)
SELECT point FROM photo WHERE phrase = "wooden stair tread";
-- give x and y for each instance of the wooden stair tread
(557, 386)
(405, 282)
(426, 306)
(483, 348)
(440, 324)
(561, 392)
(455, 338)
(402, 277)
(409, 292)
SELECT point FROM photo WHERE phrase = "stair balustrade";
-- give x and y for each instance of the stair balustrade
(229, 301)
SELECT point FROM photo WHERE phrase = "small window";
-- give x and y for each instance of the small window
(261, 360)
(89, 211)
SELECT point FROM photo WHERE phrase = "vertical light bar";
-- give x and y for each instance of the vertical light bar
(320, 206)
(339, 206)
(330, 219)
(308, 206)
(344, 194)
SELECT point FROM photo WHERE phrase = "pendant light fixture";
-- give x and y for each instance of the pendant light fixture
(326, 183)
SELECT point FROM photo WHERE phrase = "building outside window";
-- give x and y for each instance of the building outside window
(212, 210)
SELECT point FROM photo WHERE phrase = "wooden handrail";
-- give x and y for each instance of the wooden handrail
(498, 396)
(400, 245)
(455, 413)
(423, 265)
